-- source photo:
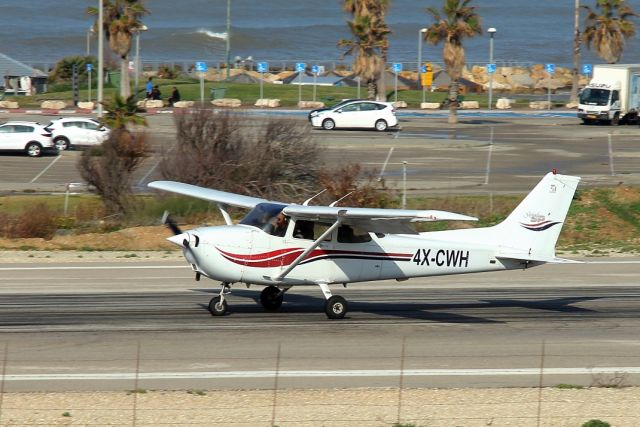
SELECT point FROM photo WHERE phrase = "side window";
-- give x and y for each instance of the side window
(23, 129)
(310, 230)
(72, 124)
(350, 234)
(90, 126)
(6, 129)
(368, 106)
(615, 96)
(349, 108)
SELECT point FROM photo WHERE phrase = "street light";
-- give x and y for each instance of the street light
(420, 37)
(137, 77)
(90, 33)
(100, 55)
(491, 32)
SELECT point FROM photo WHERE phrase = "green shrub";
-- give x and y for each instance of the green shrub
(596, 423)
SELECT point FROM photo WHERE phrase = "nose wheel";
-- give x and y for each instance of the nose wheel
(218, 304)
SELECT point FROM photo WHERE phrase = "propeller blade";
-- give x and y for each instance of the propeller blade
(170, 223)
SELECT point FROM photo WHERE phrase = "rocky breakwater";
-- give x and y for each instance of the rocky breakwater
(532, 79)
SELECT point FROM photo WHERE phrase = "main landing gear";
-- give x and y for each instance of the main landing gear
(271, 298)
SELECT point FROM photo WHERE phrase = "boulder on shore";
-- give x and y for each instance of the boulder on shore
(429, 105)
(10, 105)
(266, 102)
(310, 104)
(86, 105)
(227, 102)
(53, 105)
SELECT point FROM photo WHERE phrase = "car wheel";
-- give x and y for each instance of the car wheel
(62, 143)
(381, 125)
(328, 124)
(34, 149)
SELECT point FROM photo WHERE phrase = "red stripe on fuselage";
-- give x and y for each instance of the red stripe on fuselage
(284, 257)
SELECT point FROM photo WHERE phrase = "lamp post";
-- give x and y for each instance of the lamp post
(137, 75)
(228, 45)
(90, 33)
(100, 55)
(420, 37)
(491, 32)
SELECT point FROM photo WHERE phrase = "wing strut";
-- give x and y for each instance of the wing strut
(315, 244)
(225, 214)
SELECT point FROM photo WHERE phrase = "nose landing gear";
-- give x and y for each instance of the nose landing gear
(218, 305)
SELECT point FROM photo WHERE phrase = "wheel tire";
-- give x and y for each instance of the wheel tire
(381, 125)
(328, 124)
(34, 149)
(336, 307)
(61, 143)
(616, 120)
(271, 298)
(587, 122)
(217, 306)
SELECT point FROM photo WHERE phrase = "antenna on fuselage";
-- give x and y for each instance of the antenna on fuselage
(306, 202)
(341, 199)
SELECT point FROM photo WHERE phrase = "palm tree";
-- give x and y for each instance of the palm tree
(607, 31)
(370, 42)
(459, 21)
(121, 21)
(121, 112)
(576, 52)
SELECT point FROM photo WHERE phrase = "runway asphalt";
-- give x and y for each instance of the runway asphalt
(101, 326)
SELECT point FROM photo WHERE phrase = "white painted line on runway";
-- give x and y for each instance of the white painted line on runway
(46, 169)
(324, 373)
(113, 267)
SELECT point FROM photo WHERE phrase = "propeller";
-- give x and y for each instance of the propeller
(186, 245)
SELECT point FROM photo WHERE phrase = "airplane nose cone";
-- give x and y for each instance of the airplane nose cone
(178, 239)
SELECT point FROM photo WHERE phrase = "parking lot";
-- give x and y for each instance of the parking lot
(480, 154)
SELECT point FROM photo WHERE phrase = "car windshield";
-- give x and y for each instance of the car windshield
(591, 96)
(262, 214)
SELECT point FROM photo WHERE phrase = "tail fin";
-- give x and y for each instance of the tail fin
(530, 232)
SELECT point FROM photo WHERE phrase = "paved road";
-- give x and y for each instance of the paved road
(93, 326)
(484, 153)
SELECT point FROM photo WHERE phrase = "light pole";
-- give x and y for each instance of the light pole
(420, 37)
(228, 47)
(100, 55)
(90, 33)
(137, 76)
(491, 32)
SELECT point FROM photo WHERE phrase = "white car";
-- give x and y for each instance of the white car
(31, 137)
(357, 114)
(77, 131)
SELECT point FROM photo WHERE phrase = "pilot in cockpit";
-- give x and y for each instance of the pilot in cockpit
(279, 227)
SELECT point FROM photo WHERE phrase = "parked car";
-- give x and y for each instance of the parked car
(315, 112)
(77, 131)
(31, 137)
(357, 114)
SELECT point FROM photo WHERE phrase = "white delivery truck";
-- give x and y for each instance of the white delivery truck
(612, 96)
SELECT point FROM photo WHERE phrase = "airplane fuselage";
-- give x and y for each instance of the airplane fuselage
(245, 254)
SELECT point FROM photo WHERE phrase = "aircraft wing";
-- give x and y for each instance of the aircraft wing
(397, 221)
(222, 197)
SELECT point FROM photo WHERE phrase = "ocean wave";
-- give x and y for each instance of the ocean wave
(212, 34)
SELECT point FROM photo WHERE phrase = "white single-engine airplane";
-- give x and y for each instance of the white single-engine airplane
(325, 245)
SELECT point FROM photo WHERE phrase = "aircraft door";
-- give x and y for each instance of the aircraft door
(357, 254)
(319, 264)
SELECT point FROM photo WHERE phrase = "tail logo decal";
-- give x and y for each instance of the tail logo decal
(540, 226)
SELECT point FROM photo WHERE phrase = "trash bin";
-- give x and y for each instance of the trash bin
(218, 92)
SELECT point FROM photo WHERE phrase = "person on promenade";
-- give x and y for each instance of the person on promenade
(175, 96)
(155, 93)
(149, 87)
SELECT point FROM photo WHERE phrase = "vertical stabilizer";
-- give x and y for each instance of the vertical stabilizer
(530, 232)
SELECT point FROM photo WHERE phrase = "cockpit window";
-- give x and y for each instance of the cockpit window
(262, 215)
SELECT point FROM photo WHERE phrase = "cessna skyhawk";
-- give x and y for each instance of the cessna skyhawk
(327, 245)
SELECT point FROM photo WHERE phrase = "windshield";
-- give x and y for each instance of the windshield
(262, 215)
(341, 103)
(590, 96)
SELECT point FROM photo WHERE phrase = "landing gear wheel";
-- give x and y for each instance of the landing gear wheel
(217, 306)
(271, 298)
(336, 307)
(328, 124)
(381, 125)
